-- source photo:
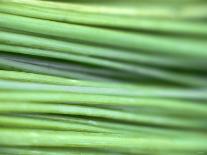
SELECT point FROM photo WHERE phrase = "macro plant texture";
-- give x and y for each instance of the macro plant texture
(103, 77)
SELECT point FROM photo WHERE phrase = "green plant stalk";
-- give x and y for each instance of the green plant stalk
(73, 67)
(156, 106)
(67, 139)
(20, 66)
(48, 122)
(68, 48)
(168, 10)
(101, 113)
(54, 97)
(12, 121)
(64, 151)
(121, 127)
(29, 86)
(85, 72)
(51, 50)
(47, 79)
(160, 25)
(49, 151)
(157, 74)
(143, 42)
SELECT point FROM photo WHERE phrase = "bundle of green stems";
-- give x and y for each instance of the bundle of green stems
(89, 77)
